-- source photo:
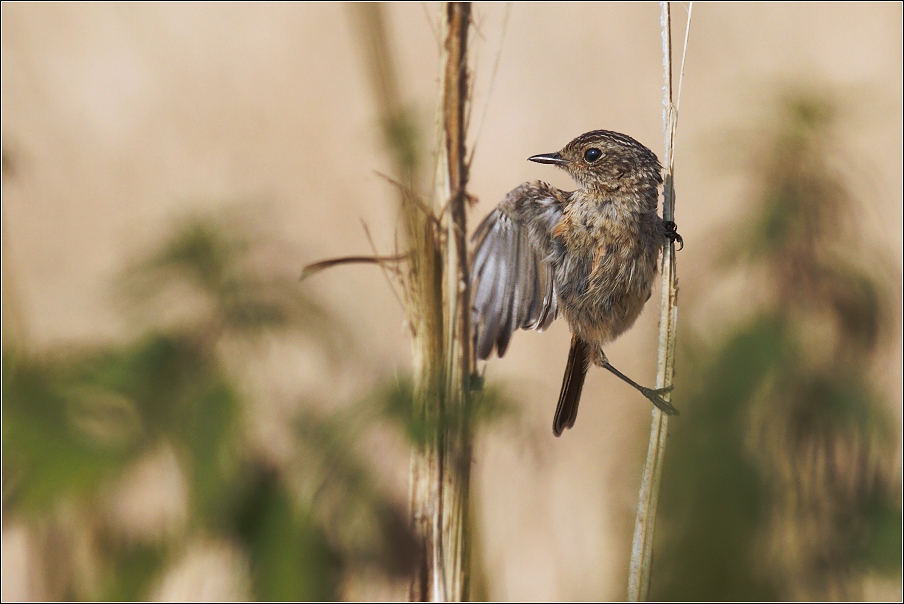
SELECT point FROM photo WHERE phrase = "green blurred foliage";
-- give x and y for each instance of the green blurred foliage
(483, 406)
(51, 446)
(780, 481)
(292, 558)
(233, 273)
(76, 421)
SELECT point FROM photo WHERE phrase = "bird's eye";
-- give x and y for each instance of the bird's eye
(592, 154)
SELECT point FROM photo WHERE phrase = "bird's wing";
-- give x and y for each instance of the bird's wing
(512, 283)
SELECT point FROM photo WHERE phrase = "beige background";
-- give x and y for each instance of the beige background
(118, 118)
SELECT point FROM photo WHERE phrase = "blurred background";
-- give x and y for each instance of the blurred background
(184, 419)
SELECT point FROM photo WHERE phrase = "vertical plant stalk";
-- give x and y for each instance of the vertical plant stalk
(437, 301)
(644, 525)
(422, 283)
(452, 182)
(441, 493)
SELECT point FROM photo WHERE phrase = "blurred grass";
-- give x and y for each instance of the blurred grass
(782, 480)
(77, 420)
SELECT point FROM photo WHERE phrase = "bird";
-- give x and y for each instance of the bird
(589, 255)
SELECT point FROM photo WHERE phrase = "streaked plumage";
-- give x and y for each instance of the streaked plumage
(588, 254)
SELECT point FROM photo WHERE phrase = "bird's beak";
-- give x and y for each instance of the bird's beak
(549, 158)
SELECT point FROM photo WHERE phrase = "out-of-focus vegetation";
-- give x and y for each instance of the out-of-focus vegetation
(782, 480)
(77, 421)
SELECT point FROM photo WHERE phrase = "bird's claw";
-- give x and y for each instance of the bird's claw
(655, 397)
(671, 233)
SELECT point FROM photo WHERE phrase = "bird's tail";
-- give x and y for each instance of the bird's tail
(570, 396)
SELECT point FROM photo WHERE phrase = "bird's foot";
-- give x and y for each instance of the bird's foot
(655, 396)
(671, 233)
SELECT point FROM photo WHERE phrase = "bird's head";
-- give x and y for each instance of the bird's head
(606, 160)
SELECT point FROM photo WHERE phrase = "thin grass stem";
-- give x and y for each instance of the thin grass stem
(644, 526)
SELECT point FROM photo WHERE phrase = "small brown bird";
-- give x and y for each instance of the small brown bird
(588, 254)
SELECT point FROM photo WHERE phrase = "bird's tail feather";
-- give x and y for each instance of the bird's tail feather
(570, 396)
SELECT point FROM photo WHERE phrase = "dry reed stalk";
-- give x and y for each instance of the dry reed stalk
(459, 355)
(437, 301)
(440, 476)
(644, 525)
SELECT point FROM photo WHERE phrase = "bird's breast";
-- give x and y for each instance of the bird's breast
(605, 271)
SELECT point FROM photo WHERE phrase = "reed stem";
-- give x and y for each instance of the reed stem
(645, 522)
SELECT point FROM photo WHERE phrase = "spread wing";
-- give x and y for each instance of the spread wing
(512, 284)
